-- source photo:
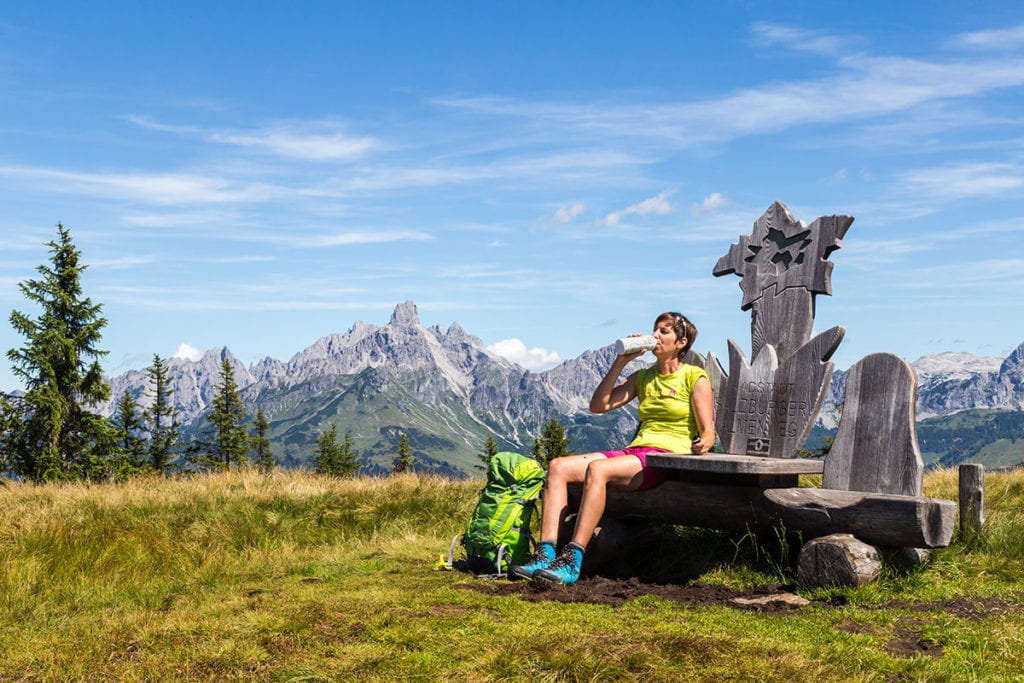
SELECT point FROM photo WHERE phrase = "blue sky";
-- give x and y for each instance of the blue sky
(549, 175)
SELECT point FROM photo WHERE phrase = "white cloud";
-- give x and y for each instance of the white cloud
(535, 359)
(860, 87)
(567, 214)
(159, 188)
(657, 205)
(342, 239)
(713, 201)
(188, 352)
(817, 42)
(1001, 38)
(312, 141)
(964, 180)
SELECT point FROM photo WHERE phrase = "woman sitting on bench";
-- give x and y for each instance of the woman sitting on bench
(676, 416)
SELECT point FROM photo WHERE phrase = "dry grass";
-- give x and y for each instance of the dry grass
(299, 577)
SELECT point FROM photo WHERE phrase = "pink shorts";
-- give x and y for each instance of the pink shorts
(652, 476)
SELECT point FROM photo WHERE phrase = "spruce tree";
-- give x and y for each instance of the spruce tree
(164, 429)
(404, 461)
(230, 440)
(60, 438)
(262, 456)
(538, 453)
(326, 457)
(347, 463)
(489, 451)
(129, 426)
(556, 443)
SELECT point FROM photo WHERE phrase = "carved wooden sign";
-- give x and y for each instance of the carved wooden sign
(767, 407)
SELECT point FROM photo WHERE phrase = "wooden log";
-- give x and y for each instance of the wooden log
(837, 560)
(876, 518)
(972, 498)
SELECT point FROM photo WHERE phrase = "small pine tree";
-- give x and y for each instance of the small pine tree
(537, 453)
(334, 459)
(164, 429)
(230, 440)
(553, 443)
(128, 425)
(489, 451)
(326, 454)
(348, 460)
(262, 456)
(403, 461)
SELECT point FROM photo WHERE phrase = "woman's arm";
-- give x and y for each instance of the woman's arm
(609, 396)
(703, 406)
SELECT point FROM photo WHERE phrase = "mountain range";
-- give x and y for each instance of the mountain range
(447, 393)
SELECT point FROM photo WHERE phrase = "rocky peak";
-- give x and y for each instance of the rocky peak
(405, 315)
(1014, 363)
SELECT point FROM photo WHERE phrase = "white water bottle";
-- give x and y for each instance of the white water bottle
(628, 345)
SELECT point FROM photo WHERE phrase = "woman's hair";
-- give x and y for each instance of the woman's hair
(682, 327)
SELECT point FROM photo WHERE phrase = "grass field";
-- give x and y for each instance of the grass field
(294, 577)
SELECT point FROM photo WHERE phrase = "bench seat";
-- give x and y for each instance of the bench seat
(728, 463)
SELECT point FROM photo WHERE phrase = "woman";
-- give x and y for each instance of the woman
(676, 416)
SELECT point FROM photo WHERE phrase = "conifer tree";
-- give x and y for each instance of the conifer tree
(128, 425)
(230, 440)
(489, 451)
(262, 456)
(60, 438)
(338, 460)
(347, 463)
(164, 429)
(556, 443)
(326, 455)
(404, 461)
(538, 454)
(553, 443)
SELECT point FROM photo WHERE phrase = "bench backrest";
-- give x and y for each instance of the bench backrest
(876, 448)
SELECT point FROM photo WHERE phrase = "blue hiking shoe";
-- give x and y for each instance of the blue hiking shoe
(566, 567)
(540, 559)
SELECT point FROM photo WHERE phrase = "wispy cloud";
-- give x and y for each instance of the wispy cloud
(342, 239)
(957, 181)
(309, 141)
(767, 34)
(157, 188)
(992, 39)
(657, 205)
(861, 88)
(567, 214)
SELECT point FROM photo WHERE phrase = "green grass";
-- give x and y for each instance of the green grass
(294, 577)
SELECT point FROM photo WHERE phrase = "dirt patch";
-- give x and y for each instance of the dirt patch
(770, 598)
(601, 591)
(908, 642)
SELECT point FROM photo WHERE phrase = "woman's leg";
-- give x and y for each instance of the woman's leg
(623, 472)
(571, 469)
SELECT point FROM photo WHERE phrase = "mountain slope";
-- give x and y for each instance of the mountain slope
(448, 393)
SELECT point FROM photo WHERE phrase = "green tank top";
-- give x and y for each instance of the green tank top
(667, 419)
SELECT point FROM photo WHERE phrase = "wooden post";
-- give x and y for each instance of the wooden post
(972, 498)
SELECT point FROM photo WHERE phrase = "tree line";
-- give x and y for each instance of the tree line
(49, 433)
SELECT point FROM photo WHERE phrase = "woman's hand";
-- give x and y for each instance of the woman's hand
(700, 446)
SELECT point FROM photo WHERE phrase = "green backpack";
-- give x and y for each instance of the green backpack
(499, 530)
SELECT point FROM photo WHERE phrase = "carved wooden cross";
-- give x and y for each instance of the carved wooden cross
(784, 265)
(768, 406)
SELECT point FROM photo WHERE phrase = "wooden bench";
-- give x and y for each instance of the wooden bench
(765, 410)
